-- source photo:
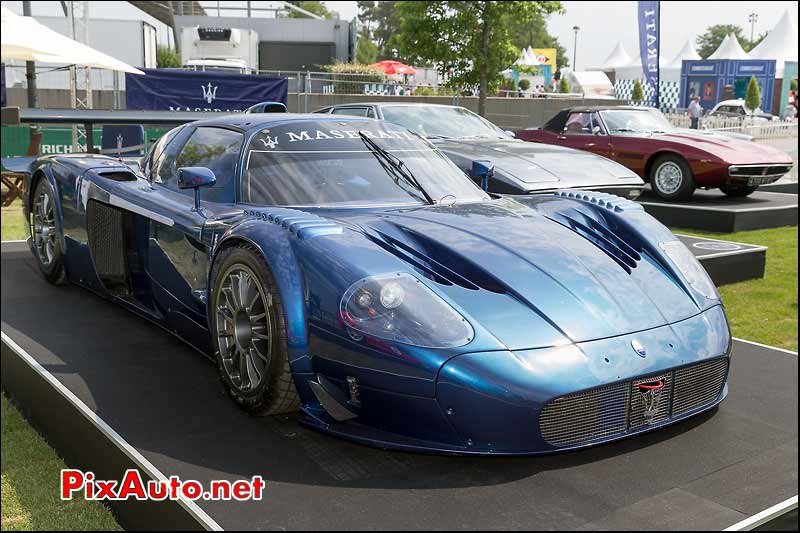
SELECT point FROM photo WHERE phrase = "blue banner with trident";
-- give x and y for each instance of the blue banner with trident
(188, 90)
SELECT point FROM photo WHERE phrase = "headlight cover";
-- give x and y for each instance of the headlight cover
(398, 307)
(691, 268)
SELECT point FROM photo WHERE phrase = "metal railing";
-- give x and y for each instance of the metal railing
(756, 127)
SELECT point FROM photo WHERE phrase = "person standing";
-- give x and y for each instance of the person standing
(695, 112)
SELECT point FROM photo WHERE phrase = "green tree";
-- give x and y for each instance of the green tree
(638, 92)
(366, 49)
(167, 58)
(524, 84)
(793, 85)
(535, 35)
(563, 86)
(752, 100)
(312, 6)
(383, 23)
(469, 40)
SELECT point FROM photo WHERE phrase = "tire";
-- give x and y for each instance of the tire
(738, 191)
(44, 234)
(249, 334)
(671, 178)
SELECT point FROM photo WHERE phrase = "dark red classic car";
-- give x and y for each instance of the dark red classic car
(675, 161)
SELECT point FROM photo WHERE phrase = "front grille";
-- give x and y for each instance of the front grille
(639, 417)
(589, 415)
(698, 385)
(752, 171)
(613, 410)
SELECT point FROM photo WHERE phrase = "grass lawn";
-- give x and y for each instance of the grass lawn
(764, 310)
(30, 484)
(13, 222)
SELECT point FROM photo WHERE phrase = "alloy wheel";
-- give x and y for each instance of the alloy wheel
(669, 178)
(44, 227)
(244, 327)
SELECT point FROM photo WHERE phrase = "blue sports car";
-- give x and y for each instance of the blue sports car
(345, 267)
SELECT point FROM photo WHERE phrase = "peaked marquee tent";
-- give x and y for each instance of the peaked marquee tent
(780, 44)
(687, 52)
(729, 49)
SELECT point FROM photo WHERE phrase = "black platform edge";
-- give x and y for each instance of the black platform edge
(741, 263)
(721, 220)
(713, 211)
(786, 188)
(86, 441)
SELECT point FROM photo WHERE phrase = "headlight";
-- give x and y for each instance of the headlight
(691, 268)
(399, 307)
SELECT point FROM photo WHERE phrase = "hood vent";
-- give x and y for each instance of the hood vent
(601, 236)
(437, 263)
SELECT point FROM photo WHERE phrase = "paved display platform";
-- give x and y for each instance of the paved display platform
(165, 403)
(787, 187)
(713, 211)
(728, 262)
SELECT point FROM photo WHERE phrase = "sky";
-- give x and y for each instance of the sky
(601, 23)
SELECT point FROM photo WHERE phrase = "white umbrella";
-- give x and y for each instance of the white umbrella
(25, 39)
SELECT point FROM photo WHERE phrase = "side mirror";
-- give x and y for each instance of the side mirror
(267, 107)
(483, 171)
(596, 130)
(195, 178)
(511, 134)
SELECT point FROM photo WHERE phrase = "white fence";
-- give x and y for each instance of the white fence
(781, 134)
(758, 129)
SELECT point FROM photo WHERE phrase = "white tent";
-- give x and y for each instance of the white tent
(23, 38)
(729, 49)
(617, 58)
(688, 52)
(634, 71)
(780, 44)
(592, 83)
(527, 58)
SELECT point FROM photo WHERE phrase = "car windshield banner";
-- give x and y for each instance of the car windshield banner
(184, 90)
(649, 43)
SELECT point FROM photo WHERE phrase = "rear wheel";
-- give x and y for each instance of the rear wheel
(671, 178)
(44, 234)
(738, 191)
(249, 333)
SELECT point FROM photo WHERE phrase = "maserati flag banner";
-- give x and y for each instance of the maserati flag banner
(649, 43)
(184, 90)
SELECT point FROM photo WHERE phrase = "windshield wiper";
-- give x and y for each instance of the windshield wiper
(396, 164)
(623, 130)
(479, 136)
(438, 136)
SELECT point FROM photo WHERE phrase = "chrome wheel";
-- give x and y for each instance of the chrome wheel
(669, 177)
(244, 327)
(44, 227)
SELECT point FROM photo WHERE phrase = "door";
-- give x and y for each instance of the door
(585, 131)
(178, 261)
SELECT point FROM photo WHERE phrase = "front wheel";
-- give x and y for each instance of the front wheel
(249, 334)
(44, 234)
(738, 191)
(671, 178)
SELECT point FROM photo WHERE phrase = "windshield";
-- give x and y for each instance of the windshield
(442, 121)
(635, 121)
(327, 164)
